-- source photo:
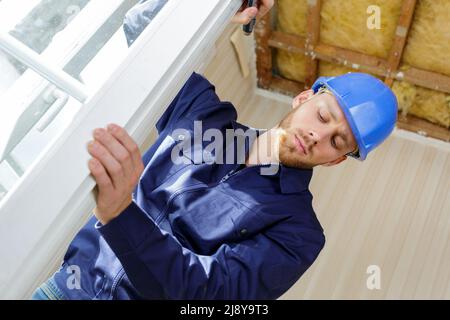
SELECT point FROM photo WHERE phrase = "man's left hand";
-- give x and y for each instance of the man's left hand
(116, 167)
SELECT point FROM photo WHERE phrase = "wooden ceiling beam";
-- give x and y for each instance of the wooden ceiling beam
(266, 39)
(351, 59)
(263, 31)
(286, 86)
(423, 127)
(424, 78)
(360, 61)
(401, 35)
(345, 57)
(312, 39)
(287, 42)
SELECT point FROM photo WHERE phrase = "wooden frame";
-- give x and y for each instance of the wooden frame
(312, 39)
(268, 39)
(401, 34)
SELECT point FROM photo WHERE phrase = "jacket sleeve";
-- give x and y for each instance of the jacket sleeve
(262, 267)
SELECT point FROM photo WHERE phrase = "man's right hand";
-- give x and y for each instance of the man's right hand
(245, 15)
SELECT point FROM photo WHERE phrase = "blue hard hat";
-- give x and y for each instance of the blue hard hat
(369, 106)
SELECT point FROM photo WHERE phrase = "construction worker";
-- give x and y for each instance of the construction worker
(209, 230)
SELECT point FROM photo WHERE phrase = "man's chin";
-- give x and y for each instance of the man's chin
(288, 154)
(294, 162)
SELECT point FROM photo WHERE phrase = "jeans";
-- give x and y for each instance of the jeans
(48, 291)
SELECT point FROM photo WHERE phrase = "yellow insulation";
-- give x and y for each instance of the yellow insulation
(344, 24)
(428, 45)
(423, 103)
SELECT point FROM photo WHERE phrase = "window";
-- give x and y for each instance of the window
(45, 181)
(79, 37)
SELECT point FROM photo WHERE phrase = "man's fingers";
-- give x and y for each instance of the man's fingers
(117, 150)
(116, 167)
(112, 166)
(262, 11)
(265, 7)
(124, 138)
(244, 17)
(100, 175)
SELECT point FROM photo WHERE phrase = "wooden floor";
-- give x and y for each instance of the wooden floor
(391, 211)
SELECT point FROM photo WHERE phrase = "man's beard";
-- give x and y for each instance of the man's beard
(288, 153)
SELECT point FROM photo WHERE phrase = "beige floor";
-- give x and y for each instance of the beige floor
(392, 211)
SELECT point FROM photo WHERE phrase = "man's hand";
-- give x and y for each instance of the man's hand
(245, 15)
(116, 167)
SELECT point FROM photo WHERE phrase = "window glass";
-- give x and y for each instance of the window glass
(84, 38)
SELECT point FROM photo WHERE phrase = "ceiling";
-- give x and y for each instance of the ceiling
(405, 43)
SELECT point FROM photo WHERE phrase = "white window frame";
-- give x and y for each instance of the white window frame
(54, 198)
(61, 53)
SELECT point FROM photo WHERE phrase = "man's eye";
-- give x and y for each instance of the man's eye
(333, 143)
(320, 117)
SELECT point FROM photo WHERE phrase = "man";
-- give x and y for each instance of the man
(170, 229)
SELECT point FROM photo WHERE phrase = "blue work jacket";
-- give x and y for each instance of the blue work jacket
(197, 228)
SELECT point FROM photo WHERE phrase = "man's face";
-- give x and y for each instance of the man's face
(315, 132)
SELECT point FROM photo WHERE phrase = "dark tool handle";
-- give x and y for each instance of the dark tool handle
(248, 28)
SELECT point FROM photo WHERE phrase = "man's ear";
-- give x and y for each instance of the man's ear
(335, 162)
(302, 97)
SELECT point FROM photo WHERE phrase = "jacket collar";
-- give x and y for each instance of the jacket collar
(292, 180)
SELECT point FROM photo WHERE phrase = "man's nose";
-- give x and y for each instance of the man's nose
(314, 137)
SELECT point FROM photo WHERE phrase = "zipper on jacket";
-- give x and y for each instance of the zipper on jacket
(235, 172)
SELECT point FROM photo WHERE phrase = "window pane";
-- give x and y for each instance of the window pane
(27, 103)
(72, 32)
(11, 71)
(45, 20)
(84, 38)
(35, 23)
